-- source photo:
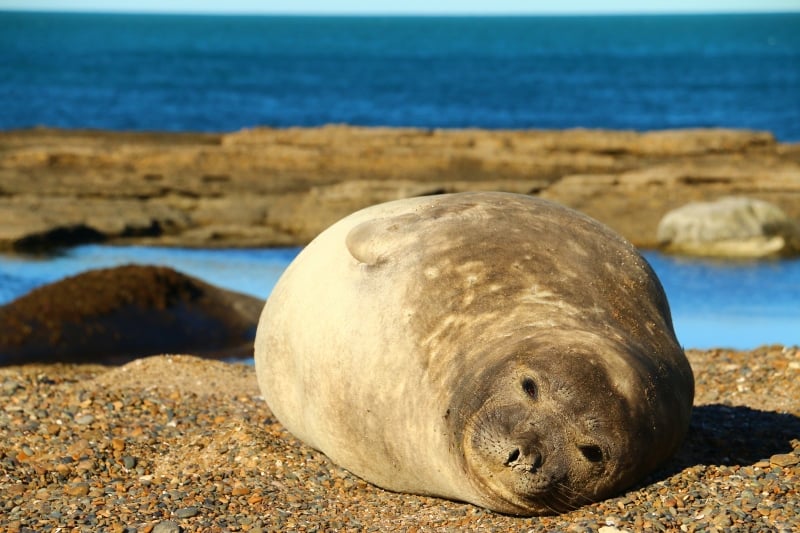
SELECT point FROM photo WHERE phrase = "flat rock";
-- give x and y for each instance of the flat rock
(281, 187)
(117, 314)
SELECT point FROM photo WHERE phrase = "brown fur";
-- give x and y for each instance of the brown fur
(460, 301)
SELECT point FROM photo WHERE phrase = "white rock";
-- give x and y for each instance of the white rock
(729, 227)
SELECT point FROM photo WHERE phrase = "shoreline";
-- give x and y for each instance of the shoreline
(190, 442)
(267, 187)
(171, 442)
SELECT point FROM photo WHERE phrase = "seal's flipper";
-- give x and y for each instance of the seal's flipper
(373, 242)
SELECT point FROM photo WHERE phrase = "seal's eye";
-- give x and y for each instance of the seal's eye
(530, 388)
(593, 453)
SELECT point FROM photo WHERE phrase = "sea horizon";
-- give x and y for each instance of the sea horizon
(396, 15)
(210, 72)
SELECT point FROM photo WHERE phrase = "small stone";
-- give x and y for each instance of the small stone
(784, 459)
(187, 512)
(84, 419)
(129, 462)
(7, 388)
(167, 526)
(77, 489)
(579, 528)
(240, 491)
(722, 520)
(16, 490)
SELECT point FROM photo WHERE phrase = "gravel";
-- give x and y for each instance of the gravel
(177, 443)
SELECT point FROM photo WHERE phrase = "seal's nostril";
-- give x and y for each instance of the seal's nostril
(530, 388)
(513, 456)
(537, 461)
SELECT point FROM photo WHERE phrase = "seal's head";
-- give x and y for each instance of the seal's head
(554, 427)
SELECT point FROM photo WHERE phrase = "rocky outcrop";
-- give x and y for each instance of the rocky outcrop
(276, 187)
(116, 314)
(731, 227)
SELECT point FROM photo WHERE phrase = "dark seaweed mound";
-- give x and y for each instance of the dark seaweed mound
(117, 314)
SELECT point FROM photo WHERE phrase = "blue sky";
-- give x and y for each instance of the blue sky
(407, 6)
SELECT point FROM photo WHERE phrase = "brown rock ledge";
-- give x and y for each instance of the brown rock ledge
(90, 448)
(277, 187)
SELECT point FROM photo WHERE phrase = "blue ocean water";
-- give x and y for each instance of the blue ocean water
(206, 73)
(714, 304)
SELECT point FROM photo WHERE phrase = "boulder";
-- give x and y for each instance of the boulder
(114, 315)
(731, 227)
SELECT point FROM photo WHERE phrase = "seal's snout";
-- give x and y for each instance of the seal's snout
(530, 460)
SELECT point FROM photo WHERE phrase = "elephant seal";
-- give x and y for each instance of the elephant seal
(486, 347)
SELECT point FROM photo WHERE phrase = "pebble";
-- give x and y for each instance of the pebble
(84, 419)
(784, 459)
(227, 465)
(9, 387)
(77, 489)
(187, 512)
(167, 526)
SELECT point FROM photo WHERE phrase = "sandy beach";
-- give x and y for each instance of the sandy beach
(178, 443)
